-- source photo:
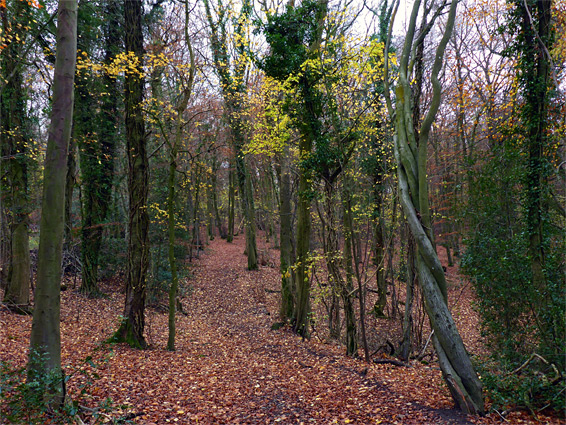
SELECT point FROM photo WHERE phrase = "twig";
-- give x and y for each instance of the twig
(530, 359)
(421, 354)
(502, 417)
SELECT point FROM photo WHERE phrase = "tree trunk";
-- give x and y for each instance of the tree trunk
(302, 306)
(171, 249)
(14, 152)
(534, 69)
(173, 153)
(217, 220)
(248, 207)
(287, 288)
(45, 340)
(97, 138)
(411, 156)
(334, 260)
(210, 206)
(231, 204)
(347, 290)
(379, 250)
(195, 242)
(132, 326)
(69, 189)
(407, 341)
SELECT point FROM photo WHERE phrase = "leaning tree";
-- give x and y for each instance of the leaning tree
(411, 155)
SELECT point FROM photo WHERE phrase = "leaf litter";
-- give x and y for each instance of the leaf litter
(230, 367)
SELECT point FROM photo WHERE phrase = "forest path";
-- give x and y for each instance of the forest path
(229, 366)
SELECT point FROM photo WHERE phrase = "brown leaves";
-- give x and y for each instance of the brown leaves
(229, 367)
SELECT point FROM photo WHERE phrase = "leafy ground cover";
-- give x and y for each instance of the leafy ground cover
(230, 367)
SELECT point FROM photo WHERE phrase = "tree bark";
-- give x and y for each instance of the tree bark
(231, 204)
(347, 290)
(132, 326)
(534, 69)
(96, 133)
(173, 154)
(407, 341)
(45, 340)
(287, 287)
(302, 306)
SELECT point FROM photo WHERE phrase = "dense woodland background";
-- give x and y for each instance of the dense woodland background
(384, 160)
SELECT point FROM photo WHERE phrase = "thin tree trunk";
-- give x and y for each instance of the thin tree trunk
(347, 291)
(379, 250)
(302, 306)
(231, 204)
(173, 154)
(171, 234)
(287, 287)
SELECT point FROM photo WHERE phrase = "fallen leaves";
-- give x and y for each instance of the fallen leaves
(229, 367)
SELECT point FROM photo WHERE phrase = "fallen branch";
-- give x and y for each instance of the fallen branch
(391, 361)
(530, 359)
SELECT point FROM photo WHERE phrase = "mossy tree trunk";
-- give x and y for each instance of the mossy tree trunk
(45, 340)
(406, 345)
(14, 150)
(534, 67)
(411, 156)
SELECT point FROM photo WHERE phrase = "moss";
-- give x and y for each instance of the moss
(125, 333)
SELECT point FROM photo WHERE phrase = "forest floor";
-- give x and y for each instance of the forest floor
(230, 367)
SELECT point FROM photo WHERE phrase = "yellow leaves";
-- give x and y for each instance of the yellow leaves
(125, 63)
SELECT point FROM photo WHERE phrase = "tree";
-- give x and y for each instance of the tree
(96, 131)
(45, 340)
(411, 155)
(132, 325)
(15, 146)
(187, 86)
(295, 37)
(520, 278)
